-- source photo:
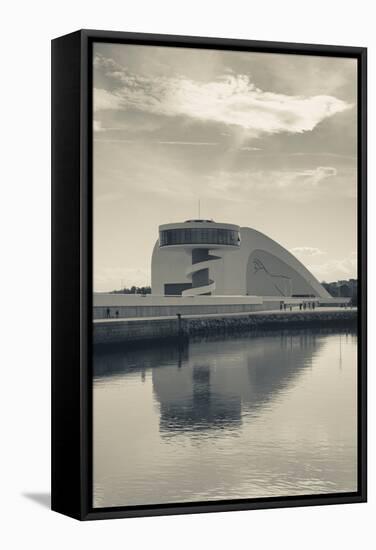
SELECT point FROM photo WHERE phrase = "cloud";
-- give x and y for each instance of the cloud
(104, 100)
(231, 100)
(193, 143)
(313, 177)
(247, 148)
(336, 269)
(125, 140)
(114, 140)
(98, 127)
(306, 251)
(296, 185)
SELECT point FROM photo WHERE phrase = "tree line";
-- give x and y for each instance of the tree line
(133, 290)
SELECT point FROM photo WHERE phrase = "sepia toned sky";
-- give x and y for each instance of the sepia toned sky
(266, 141)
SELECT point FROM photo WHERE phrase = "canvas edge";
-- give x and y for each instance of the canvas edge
(82, 508)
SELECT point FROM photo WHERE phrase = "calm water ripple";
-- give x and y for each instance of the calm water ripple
(270, 414)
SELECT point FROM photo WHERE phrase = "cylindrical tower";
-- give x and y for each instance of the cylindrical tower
(199, 238)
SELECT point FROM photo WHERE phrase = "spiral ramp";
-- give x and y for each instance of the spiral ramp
(199, 271)
(200, 290)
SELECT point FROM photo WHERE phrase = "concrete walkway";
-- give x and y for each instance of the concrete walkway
(224, 315)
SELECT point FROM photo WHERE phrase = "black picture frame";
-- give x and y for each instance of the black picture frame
(72, 273)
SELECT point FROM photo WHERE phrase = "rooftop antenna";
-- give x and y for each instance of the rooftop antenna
(199, 209)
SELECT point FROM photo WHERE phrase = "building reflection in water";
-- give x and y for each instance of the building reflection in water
(212, 384)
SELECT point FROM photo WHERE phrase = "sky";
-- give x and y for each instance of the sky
(262, 140)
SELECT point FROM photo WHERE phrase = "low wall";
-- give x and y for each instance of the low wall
(116, 300)
(270, 320)
(140, 330)
(135, 330)
(129, 306)
(127, 312)
(125, 306)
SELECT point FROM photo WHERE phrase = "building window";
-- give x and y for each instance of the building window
(227, 237)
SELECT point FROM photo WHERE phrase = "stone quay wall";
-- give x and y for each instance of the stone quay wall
(143, 330)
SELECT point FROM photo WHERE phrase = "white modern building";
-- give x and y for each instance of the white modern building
(202, 257)
(200, 267)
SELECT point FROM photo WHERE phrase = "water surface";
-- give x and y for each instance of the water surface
(268, 414)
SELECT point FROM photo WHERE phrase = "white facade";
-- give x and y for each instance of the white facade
(205, 258)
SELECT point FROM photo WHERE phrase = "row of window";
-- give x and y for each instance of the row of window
(228, 237)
